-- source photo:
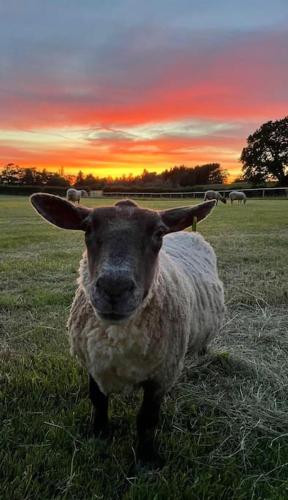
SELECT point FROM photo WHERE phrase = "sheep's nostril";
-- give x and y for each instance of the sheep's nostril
(131, 287)
(114, 286)
(100, 284)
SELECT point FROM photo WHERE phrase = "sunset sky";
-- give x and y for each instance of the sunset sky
(112, 87)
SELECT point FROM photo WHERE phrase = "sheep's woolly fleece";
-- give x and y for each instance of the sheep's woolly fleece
(73, 194)
(184, 309)
(237, 195)
(212, 195)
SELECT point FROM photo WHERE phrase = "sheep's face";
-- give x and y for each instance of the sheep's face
(123, 243)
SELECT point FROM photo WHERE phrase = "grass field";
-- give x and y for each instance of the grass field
(224, 426)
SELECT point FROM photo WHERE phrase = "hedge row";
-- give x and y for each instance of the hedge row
(27, 190)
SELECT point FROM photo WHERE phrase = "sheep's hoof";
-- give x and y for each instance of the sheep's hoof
(99, 430)
(102, 433)
(148, 458)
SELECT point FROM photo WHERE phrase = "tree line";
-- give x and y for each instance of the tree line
(14, 175)
(176, 177)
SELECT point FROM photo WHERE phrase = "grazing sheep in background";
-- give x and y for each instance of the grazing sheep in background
(237, 195)
(75, 194)
(144, 298)
(214, 195)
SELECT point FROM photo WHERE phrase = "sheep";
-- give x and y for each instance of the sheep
(75, 194)
(237, 195)
(214, 195)
(147, 292)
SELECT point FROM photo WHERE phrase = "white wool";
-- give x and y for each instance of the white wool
(237, 195)
(184, 309)
(212, 195)
(75, 194)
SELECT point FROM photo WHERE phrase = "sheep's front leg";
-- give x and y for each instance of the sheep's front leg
(147, 420)
(99, 417)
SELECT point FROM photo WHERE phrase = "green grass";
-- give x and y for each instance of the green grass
(224, 427)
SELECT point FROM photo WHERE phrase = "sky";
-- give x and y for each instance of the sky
(114, 87)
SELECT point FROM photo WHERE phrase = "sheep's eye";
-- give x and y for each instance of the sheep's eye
(157, 237)
(88, 232)
(159, 234)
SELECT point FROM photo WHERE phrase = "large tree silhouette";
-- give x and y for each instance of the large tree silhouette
(266, 155)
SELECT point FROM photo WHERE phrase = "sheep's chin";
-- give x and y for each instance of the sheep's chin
(114, 319)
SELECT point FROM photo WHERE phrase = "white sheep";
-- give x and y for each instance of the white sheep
(237, 195)
(214, 195)
(75, 194)
(138, 307)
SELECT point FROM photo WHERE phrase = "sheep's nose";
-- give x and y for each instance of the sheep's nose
(114, 286)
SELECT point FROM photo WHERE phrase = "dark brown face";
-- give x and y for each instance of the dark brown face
(123, 243)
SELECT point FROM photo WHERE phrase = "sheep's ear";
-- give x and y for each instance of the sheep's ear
(60, 212)
(177, 219)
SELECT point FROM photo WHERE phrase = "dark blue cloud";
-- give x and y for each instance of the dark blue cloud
(67, 37)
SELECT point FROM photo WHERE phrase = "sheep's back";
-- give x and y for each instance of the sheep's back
(237, 195)
(193, 262)
(192, 255)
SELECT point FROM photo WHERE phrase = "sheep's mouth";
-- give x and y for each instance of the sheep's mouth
(115, 311)
(113, 317)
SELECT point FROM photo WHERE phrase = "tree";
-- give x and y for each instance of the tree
(80, 180)
(148, 177)
(11, 174)
(266, 155)
(55, 179)
(30, 176)
(90, 181)
(182, 176)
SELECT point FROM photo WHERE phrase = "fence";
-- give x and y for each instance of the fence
(61, 191)
(250, 193)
